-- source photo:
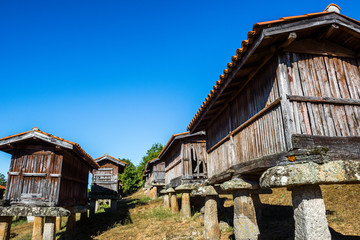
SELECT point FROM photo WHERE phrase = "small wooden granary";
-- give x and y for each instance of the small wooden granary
(154, 173)
(185, 159)
(290, 94)
(46, 170)
(2, 191)
(105, 179)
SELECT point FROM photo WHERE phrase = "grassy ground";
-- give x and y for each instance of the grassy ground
(139, 218)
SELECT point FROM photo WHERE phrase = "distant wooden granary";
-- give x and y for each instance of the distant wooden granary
(2, 191)
(46, 170)
(154, 174)
(105, 180)
(290, 97)
(185, 159)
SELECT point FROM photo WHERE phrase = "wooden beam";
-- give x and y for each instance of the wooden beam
(326, 34)
(292, 36)
(324, 100)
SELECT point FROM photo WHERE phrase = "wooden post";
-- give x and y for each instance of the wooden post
(71, 226)
(38, 227)
(5, 226)
(49, 228)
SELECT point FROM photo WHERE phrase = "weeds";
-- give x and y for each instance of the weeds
(19, 221)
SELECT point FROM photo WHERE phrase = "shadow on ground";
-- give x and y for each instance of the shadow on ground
(103, 221)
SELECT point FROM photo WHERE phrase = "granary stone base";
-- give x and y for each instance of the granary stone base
(33, 211)
(153, 193)
(174, 203)
(309, 213)
(311, 173)
(245, 223)
(49, 228)
(5, 225)
(38, 227)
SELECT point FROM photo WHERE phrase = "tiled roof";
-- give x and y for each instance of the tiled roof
(2, 187)
(108, 156)
(240, 53)
(171, 139)
(76, 146)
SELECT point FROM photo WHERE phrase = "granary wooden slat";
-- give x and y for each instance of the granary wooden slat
(105, 179)
(154, 174)
(293, 85)
(46, 170)
(185, 159)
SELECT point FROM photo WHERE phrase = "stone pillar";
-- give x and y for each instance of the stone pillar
(5, 226)
(38, 227)
(92, 208)
(245, 224)
(70, 226)
(97, 205)
(166, 201)
(113, 205)
(185, 205)
(309, 213)
(49, 228)
(84, 217)
(211, 222)
(58, 224)
(174, 203)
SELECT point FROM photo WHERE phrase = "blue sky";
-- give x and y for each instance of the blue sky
(118, 76)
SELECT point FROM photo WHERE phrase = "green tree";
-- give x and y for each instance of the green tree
(2, 180)
(129, 178)
(152, 153)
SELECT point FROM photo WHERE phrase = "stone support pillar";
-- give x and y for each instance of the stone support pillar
(185, 205)
(245, 223)
(83, 217)
(71, 226)
(38, 228)
(92, 208)
(166, 201)
(309, 213)
(174, 205)
(5, 226)
(58, 224)
(49, 228)
(113, 205)
(211, 222)
(153, 193)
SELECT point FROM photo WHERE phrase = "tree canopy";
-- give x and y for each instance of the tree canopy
(2, 180)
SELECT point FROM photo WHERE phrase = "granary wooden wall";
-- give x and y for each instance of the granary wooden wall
(106, 178)
(157, 173)
(42, 177)
(293, 76)
(186, 158)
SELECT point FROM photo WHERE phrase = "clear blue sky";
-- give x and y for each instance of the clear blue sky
(118, 76)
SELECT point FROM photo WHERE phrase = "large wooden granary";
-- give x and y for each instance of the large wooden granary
(291, 94)
(105, 180)
(154, 173)
(46, 170)
(185, 159)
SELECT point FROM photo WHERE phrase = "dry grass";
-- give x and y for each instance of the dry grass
(138, 218)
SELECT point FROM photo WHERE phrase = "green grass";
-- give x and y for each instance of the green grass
(159, 214)
(20, 221)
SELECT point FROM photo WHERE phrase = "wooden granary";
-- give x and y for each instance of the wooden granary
(105, 180)
(294, 84)
(284, 113)
(46, 170)
(185, 159)
(2, 191)
(154, 173)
